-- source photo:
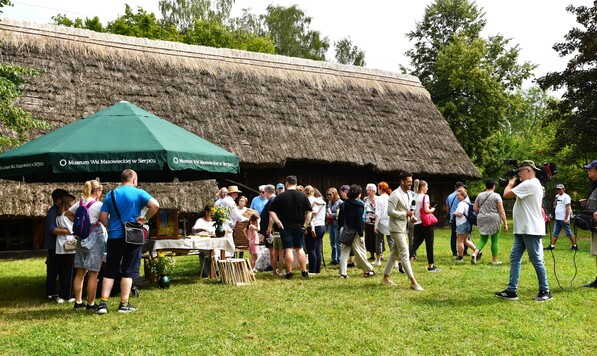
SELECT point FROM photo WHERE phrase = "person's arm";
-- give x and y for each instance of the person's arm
(360, 211)
(308, 215)
(104, 218)
(502, 213)
(459, 212)
(153, 206)
(273, 218)
(396, 213)
(508, 194)
(567, 216)
(476, 206)
(428, 210)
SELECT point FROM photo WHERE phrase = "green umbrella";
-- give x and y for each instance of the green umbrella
(112, 140)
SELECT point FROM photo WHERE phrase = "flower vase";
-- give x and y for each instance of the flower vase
(164, 281)
(220, 232)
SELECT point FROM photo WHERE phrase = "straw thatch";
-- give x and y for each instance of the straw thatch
(33, 199)
(269, 110)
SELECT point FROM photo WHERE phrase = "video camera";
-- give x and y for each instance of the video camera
(547, 171)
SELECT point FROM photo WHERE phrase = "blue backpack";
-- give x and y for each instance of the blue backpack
(82, 226)
(471, 217)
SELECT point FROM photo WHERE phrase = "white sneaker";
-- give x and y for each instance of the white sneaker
(71, 300)
(60, 300)
(377, 263)
(497, 262)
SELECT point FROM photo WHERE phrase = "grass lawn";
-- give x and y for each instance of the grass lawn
(456, 314)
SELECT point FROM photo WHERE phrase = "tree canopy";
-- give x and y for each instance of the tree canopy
(576, 114)
(346, 53)
(471, 79)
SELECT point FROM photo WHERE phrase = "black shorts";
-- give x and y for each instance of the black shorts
(121, 259)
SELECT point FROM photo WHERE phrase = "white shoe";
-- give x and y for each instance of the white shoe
(497, 262)
(60, 300)
(71, 300)
(416, 286)
(377, 263)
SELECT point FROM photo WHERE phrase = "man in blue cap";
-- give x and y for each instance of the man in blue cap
(591, 206)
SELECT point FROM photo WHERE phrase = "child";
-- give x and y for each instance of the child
(252, 228)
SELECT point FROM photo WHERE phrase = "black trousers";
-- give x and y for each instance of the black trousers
(51, 273)
(423, 233)
(314, 246)
(64, 264)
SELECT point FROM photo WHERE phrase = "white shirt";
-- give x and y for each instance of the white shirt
(561, 202)
(319, 216)
(381, 211)
(94, 209)
(463, 209)
(63, 222)
(527, 208)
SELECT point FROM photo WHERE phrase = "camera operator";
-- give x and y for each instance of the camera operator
(529, 228)
(591, 206)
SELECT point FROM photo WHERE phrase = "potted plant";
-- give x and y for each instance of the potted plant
(218, 216)
(163, 266)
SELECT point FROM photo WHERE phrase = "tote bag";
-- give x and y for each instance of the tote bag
(427, 219)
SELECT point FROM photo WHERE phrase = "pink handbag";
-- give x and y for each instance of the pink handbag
(427, 219)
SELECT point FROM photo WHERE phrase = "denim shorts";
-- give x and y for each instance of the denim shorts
(557, 227)
(121, 259)
(463, 228)
(292, 237)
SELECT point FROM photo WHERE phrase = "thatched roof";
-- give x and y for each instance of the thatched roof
(267, 109)
(33, 199)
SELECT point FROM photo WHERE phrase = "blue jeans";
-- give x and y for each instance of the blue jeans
(334, 232)
(532, 243)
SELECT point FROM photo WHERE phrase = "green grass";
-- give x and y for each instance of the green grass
(456, 314)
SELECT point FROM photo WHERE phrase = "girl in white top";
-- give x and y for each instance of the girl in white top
(64, 258)
(238, 211)
(462, 227)
(204, 223)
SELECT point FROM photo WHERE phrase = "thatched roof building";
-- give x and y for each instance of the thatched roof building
(326, 122)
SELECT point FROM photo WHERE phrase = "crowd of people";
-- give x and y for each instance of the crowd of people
(294, 219)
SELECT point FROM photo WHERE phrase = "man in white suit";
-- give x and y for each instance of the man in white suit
(399, 212)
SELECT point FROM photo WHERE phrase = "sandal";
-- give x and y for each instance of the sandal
(369, 274)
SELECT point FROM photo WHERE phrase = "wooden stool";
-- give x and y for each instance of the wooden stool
(236, 271)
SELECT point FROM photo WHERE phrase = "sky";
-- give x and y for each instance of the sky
(377, 26)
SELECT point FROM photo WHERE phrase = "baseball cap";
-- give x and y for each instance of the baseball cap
(528, 163)
(345, 188)
(459, 184)
(591, 165)
(560, 186)
(279, 186)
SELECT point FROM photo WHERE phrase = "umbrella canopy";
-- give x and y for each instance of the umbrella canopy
(112, 140)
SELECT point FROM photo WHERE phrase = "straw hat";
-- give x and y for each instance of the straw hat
(233, 189)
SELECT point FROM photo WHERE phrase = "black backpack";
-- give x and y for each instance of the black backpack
(471, 217)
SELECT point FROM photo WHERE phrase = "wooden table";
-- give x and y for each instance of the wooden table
(190, 244)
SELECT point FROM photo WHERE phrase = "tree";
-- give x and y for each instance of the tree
(471, 79)
(346, 53)
(289, 29)
(142, 24)
(4, 3)
(182, 14)
(576, 114)
(18, 122)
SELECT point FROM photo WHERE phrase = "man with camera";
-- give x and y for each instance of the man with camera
(529, 228)
(591, 206)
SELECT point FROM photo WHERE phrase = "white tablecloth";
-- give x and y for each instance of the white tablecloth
(203, 243)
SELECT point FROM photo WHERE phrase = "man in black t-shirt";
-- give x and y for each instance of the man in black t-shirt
(291, 211)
